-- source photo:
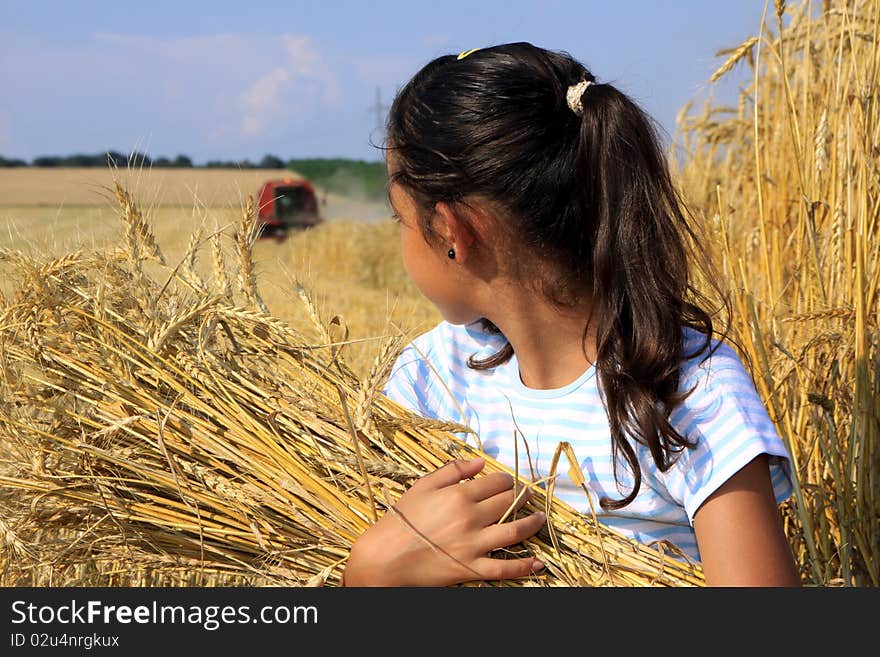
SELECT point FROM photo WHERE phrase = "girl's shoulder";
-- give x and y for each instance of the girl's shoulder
(710, 362)
(432, 368)
(725, 418)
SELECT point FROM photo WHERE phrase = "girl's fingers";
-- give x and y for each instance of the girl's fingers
(491, 510)
(483, 488)
(510, 533)
(451, 473)
(490, 568)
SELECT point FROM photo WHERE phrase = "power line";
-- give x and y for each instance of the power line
(379, 109)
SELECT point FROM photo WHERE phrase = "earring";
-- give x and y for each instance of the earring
(451, 254)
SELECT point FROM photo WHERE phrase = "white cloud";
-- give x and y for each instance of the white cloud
(304, 59)
(264, 93)
(301, 86)
(222, 95)
(270, 77)
(308, 64)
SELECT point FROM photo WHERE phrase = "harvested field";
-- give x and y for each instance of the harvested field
(53, 212)
(168, 187)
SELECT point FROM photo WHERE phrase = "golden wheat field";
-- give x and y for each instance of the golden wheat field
(351, 264)
(185, 405)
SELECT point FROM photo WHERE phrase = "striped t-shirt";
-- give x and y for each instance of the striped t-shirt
(724, 414)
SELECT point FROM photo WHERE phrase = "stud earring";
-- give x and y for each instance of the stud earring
(451, 254)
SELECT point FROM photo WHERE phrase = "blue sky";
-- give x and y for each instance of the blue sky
(240, 79)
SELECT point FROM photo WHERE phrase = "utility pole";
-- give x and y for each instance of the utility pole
(379, 110)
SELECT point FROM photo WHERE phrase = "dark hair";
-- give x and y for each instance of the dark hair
(592, 193)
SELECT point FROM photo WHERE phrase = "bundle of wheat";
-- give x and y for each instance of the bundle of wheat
(164, 429)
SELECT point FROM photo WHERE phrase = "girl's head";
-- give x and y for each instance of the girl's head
(582, 202)
(494, 127)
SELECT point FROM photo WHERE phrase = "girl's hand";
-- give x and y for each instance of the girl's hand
(442, 530)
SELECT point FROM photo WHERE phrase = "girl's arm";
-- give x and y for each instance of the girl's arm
(441, 532)
(740, 535)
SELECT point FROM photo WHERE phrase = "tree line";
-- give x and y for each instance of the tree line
(342, 175)
(111, 158)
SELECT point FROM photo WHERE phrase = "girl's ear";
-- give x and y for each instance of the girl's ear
(456, 228)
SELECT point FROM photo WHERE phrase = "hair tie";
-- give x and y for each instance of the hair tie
(465, 53)
(573, 96)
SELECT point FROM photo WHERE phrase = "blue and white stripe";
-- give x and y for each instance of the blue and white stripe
(724, 414)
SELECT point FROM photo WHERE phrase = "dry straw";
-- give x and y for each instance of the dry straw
(160, 433)
(791, 178)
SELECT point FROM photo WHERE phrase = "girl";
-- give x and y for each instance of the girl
(538, 214)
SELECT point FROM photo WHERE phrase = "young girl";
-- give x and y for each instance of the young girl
(538, 214)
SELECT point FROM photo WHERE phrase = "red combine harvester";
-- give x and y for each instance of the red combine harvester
(287, 204)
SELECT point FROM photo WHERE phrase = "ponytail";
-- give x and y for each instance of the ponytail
(640, 277)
